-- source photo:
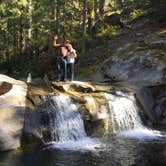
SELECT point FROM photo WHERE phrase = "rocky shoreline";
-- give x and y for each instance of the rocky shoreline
(23, 116)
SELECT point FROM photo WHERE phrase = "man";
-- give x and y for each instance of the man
(61, 53)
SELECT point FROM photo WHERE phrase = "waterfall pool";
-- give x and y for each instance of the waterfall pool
(129, 143)
(113, 151)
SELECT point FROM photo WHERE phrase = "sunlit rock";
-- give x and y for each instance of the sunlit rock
(135, 69)
(77, 86)
(12, 108)
(139, 59)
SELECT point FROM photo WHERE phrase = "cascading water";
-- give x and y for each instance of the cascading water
(65, 120)
(67, 128)
(124, 112)
(66, 125)
(124, 118)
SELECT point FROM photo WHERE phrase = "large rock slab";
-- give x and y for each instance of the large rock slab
(12, 108)
(138, 68)
(138, 58)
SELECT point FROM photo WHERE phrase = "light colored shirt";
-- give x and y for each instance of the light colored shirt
(71, 56)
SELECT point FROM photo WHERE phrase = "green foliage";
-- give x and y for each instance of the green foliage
(107, 30)
(21, 53)
(85, 72)
(164, 76)
(136, 13)
(150, 7)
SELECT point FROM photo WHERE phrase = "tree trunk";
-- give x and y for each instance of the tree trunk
(30, 21)
(56, 16)
(21, 34)
(6, 43)
(96, 8)
(101, 8)
(64, 28)
(21, 43)
(84, 16)
(30, 29)
(92, 12)
(91, 19)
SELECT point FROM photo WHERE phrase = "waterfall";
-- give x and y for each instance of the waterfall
(67, 128)
(65, 120)
(124, 112)
(66, 125)
(124, 117)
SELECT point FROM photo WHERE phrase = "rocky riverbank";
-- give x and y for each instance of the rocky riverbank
(24, 117)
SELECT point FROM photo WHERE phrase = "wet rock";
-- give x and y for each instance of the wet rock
(95, 115)
(97, 128)
(146, 99)
(153, 100)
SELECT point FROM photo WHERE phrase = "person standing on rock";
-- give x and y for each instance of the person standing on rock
(71, 55)
(61, 62)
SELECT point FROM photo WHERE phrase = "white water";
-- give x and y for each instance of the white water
(84, 144)
(142, 134)
(125, 121)
(124, 112)
(65, 120)
(67, 128)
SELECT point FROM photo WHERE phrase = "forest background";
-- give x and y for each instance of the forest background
(27, 26)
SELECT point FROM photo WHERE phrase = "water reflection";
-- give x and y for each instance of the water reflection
(114, 152)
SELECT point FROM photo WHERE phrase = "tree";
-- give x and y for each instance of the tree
(101, 7)
(30, 20)
(84, 16)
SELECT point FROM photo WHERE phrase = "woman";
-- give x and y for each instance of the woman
(71, 55)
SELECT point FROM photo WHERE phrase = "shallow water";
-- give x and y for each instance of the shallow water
(112, 151)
